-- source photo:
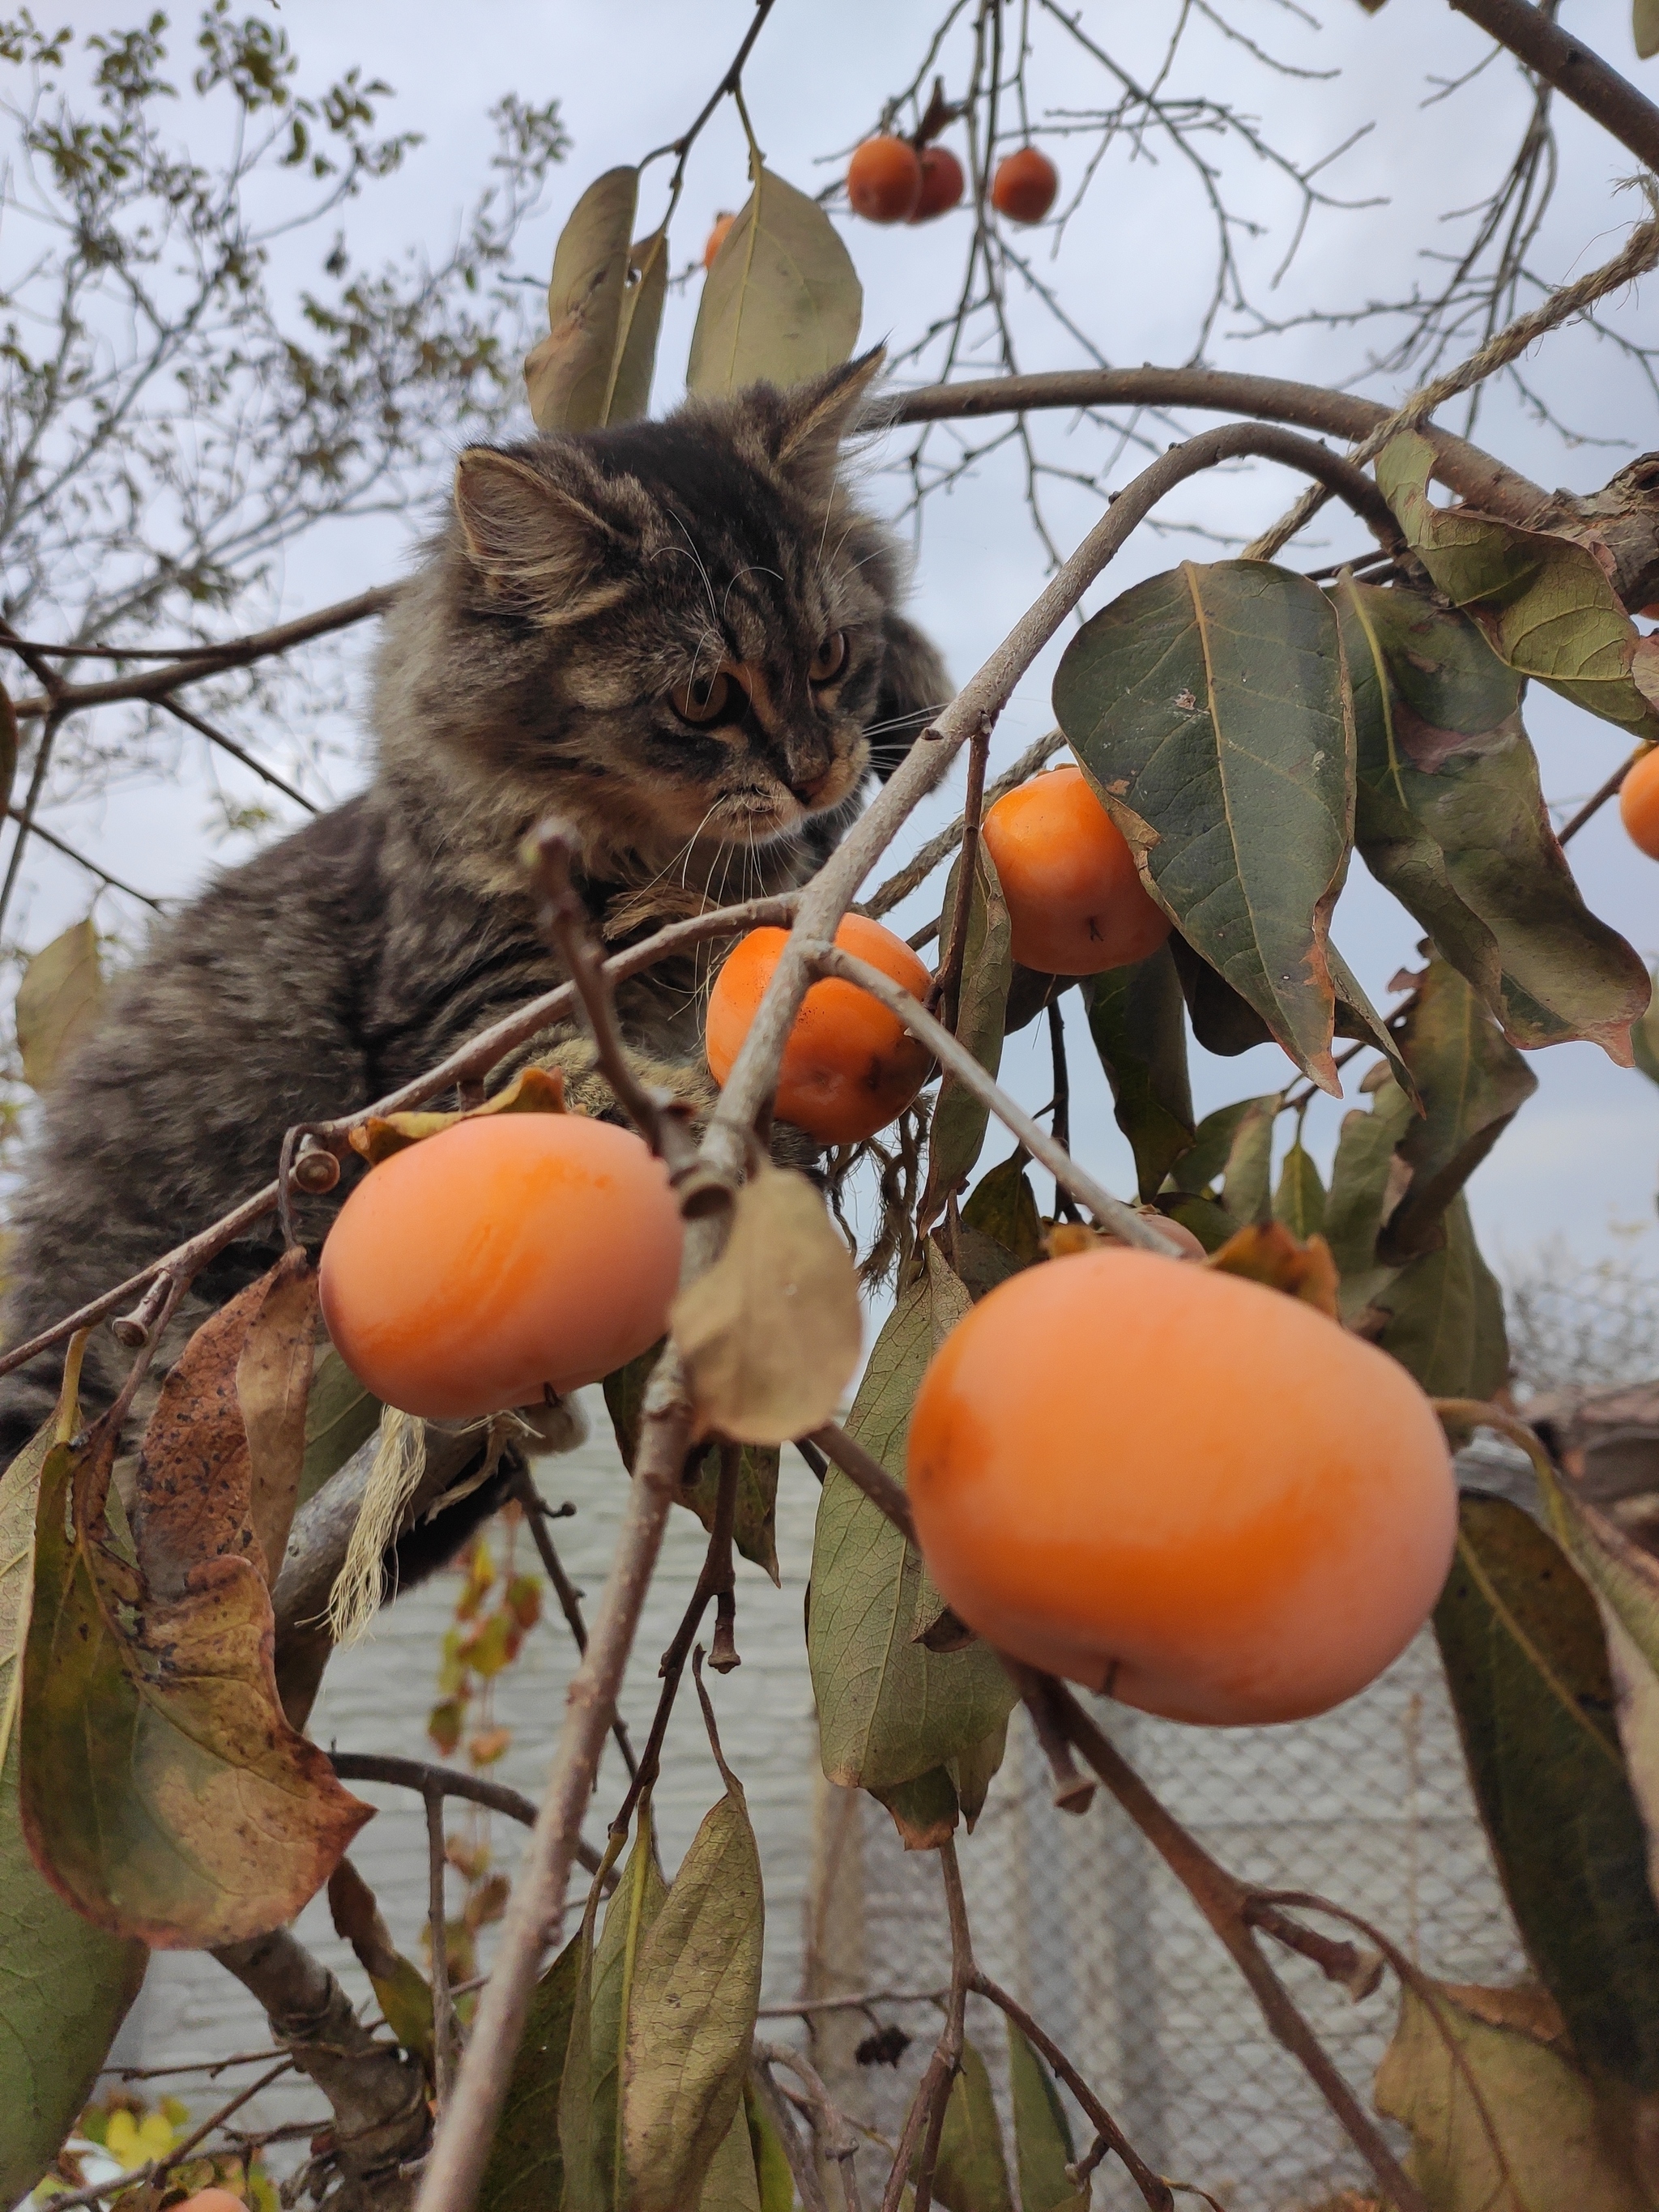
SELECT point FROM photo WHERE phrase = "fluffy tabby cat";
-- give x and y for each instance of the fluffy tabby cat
(681, 637)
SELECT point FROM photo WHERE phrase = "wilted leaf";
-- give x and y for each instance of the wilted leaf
(1299, 1201)
(640, 320)
(691, 2020)
(1208, 708)
(1043, 2140)
(1526, 1666)
(532, 1090)
(341, 1416)
(732, 2183)
(1247, 1181)
(890, 1709)
(526, 2171)
(956, 1130)
(1445, 1312)
(67, 1985)
(1501, 2118)
(402, 1990)
(1473, 1084)
(58, 1002)
(1542, 602)
(1136, 1020)
(273, 1387)
(754, 1529)
(782, 301)
(1367, 1181)
(771, 1334)
(591, 2117)
(972, 2173)
(1267, 1253)
(164, 1794)
(1450, 817)
(1645, 28)
(570, 372)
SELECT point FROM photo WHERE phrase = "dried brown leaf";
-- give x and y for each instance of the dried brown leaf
(1267, 1252)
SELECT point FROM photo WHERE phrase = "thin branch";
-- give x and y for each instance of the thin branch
(538, 1514)
(157, 2169)
(1576, 70)
(868, 1475)
(1598, 800)
(934, 2091)
(237, 752)
(834, 2131)
(25, 821)
(50, 837)
(915, 871)
(445, 1782)
(946, 987)
(444, 2031)
(802, 2166)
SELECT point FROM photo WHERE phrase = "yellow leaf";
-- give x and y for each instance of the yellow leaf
(532, 1090)
(57, 1002)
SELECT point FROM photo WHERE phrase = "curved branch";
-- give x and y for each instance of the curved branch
(1576, 71)
(1477, 477)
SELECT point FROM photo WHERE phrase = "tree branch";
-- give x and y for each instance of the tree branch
(1576, 71)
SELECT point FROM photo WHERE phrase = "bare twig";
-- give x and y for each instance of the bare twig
(194, 722)
(915, 871)
(1576, 71)
(22, 816)
(946, 990)
(443, 2007)
(933, 2090)
(802, 2166)
(570, 1604)
(834, 2131)
(1598, 800)
(157, 2169)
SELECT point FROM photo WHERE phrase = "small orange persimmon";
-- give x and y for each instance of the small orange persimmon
(1074, 899)
(883, 181)
(850, 1066)
(942, 183)
(1024, 185)
(1639, 804)
(1193, 1492)
(212, 2200)
(723, 223)
(508, 1255)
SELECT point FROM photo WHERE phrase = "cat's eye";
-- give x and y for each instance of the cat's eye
(703, 699)
(829, 659)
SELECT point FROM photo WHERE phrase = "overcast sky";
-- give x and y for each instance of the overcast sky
(1136, 265)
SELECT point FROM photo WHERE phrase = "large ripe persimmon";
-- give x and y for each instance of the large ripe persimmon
(850, 1067)
(1181, 1487)
(1076, 903)
(1639, 804)
(884, 179)
(508, 1254)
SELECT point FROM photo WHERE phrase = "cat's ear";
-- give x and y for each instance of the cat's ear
(815, 418)
(534, 539)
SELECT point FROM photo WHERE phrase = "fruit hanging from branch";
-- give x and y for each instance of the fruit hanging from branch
(506, 1256)
(1193, 1492)
(850, 1066)
(1076, 902)
(1639, 804)
(1024, 185)
(883, 181)
(942, 183)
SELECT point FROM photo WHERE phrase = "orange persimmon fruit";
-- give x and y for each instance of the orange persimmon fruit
(850, 1066)
(1075, 902)
(942, 183)
(884, 179)
(1024, 185)
(1180, 1487)
(212, 2200)
(1639, 804)
(506, 1256)
(723, 223)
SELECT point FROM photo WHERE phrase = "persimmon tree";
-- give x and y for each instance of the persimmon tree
(1248, 728)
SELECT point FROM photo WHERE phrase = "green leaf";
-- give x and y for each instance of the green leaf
(58, 1002)
(1137, 1021)
(341, 1416)
(755, 1528)
(972, 2173)
(1043, 2140)
(1523, 1646)
(1299, 1201)
(571, 373)
(889, 1709)
(1198, 1169)
(1222, 1022)
(1445, 1313)
(1210, 1224)
(637, 329)
(691, 2018)
(925, 1809)
(1367, 1179)
(777, 2184)
(67, 1985)
(732, 2183)
(1473, 1083)
(1501, 2118)
(526, 2171)
(1247, 1181)
(590, 2116)
(1207, 707)
(402, 1990)
(782, 301)
(1645, 28)
(957, 1131)
(164, 1792)
(1000, 1206)
(1451, 818)
(1542, 602)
